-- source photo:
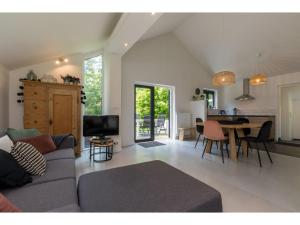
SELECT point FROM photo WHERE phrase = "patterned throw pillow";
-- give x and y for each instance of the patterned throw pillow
(29, 158)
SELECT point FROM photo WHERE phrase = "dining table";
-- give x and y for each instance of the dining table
(230, 128)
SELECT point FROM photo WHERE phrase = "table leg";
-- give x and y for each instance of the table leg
(93, 154)
(90, 150)
(232, 144)
(208, 146)
(244, 144)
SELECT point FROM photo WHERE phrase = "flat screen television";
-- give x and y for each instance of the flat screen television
(100, 126)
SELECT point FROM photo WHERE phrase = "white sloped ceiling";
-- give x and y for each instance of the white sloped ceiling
(245, 43)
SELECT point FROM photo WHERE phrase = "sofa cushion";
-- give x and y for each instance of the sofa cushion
(6, 205)
(45, 196)
(11, 173)
(6, 143)
(64, 141)
(29, 158)
(60, 154)
(56, 170)
(43, 143)
(23, 133)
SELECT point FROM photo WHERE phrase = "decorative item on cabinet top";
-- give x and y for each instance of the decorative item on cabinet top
(68, 79)
(48, 78)
(31, 75)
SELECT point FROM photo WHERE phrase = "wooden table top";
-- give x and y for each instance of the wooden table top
(101, 143)
(236, 126)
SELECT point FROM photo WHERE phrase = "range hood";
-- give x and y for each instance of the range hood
(246, 93)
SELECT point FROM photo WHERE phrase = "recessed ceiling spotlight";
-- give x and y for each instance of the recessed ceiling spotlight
(57, 62)
(126, 44)
(66, 60)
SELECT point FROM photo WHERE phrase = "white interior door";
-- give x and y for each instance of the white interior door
(296, 118)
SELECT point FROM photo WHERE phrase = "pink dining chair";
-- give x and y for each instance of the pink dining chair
(213, 132)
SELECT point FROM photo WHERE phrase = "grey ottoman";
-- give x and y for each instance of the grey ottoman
(146, 187)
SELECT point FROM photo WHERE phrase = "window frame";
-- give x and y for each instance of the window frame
(206, 92)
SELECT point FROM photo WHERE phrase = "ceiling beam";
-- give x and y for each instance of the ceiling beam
(129, 30)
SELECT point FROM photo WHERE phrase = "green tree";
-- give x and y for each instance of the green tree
(161, 101)
(93, 86)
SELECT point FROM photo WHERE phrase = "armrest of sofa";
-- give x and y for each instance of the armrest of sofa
(63, 141)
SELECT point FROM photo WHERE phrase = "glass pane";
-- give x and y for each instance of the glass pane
(93, 85)
(161, 112)
(143, 115)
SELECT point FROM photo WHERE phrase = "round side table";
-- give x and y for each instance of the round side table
(102, 144)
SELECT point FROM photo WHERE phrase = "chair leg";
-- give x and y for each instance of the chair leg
(238, 152)
(267, 152)
(222, 155)
(258, 154)
(204, 148)
(197, 141)
(227, 150)
(248, 149)
(217, 144)
(203, 141)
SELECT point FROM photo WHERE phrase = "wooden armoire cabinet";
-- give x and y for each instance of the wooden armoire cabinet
(53, 109)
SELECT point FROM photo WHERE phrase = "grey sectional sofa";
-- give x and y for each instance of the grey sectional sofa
(146, 187)
(56, 190)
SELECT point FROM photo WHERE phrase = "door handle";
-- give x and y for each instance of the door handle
(50, 122)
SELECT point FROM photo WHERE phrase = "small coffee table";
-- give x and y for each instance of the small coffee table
(106, 144)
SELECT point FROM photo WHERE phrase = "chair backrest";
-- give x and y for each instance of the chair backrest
(161, 120)
(264, 132)
(213, 130)
(246, 131)
(146, 120)
(199, 128)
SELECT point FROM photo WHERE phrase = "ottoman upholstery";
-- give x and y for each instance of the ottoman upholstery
(146, 187)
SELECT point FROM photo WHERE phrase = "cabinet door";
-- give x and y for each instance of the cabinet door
(63, 111)
(36, 107)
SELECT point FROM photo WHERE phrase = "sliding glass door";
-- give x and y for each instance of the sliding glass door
(144, 113)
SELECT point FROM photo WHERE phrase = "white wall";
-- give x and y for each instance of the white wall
(74, 67)
(112, 89)
(3, 97)
(161, 60)
(267, 97)
(290, 123)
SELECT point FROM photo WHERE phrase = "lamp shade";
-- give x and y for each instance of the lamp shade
(258, 79)
(223, 78)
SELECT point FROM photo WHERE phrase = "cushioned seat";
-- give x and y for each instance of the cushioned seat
(147, 187)
(45, 196)
(60, 154)
(56, 170)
